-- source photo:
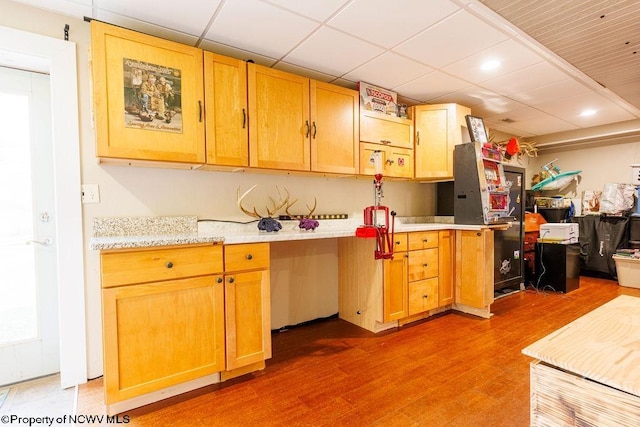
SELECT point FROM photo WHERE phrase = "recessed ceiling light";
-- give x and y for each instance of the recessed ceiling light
(490, 65)
(588, 112)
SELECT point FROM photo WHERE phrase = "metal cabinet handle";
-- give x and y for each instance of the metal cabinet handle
(398, 242)
(47, 241)
(244, 119)
(200, 111)
(306, 123)
(249, 256)
(389, 161)
(425, 265)
(169, 264)
(315, 130)
(418, 138)
(230, 280)
(219, 280)
(385, 141)
(425, 240)
(425, 296)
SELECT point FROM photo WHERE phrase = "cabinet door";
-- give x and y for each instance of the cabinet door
(446, 256)
(395, 287)
(161, 334)
(227, 126)
(279, 123)
(248, 320)
(438, 128)
(334, 128)
(474, 268)
(423, 295)
(385, 129)
(135, 119)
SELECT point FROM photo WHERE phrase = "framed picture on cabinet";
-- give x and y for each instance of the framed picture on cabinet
(477, 131)
(152, 96)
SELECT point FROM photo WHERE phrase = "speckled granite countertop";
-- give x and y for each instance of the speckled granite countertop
(140, 232)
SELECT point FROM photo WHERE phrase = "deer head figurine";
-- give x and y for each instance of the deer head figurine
(266, 223)
(306, 222)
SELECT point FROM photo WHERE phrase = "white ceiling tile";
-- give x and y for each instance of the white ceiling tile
(469, 97)
(259, 27)
(146, 28)
(387, 23)
(451, 40)
(569, 109)
(78, 9)
(492, 104)
(191, 18)
(318, 10)
(511, 55)
(332, 52)
(550, 94)
(232, 52)
(301, 71)
(431, 86)
(388, 71)
(533, 76)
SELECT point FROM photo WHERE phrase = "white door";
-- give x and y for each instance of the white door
(29, 336)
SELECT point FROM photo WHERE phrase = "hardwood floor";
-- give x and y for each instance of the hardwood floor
(450, 370)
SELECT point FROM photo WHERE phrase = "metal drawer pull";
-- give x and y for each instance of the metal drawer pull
(219, 280)
(385, 141)
(47, 241)
(425, 240)
(230, 280)
(425, 265)
(249, 256)
(169, 264)
(425, 296)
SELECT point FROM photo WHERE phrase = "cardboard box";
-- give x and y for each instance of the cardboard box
(628, 269)
(374, 98)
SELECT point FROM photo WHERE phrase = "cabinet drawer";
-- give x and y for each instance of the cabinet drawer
(423, 295)
(423, 264)
(396, 162)
(251, 256)
(400, 242)
(386, 130)
(151, 265)
(423, 240)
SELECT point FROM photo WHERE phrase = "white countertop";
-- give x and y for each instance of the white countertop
(230, 233)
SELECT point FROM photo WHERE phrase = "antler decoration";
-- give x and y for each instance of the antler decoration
(267, 223)
(306, 222)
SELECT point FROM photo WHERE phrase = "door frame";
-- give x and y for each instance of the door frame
(36, 52)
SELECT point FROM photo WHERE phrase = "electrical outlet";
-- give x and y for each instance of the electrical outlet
(90, 193)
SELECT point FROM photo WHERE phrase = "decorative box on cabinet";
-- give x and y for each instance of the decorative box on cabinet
(122, 62)
(438, 128)
(300, 124)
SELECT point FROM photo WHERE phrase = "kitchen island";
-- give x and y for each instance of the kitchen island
(588, 372)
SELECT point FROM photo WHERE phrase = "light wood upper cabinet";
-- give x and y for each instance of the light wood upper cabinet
(397, 162)
(279, 122)
(438, 129)
(227, 124)
(296, 123)
(334, 128)
(385, 129)
(138, 120)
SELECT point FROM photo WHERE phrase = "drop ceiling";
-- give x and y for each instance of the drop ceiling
(557, 58)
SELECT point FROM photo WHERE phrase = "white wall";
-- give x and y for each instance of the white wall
(131, 191)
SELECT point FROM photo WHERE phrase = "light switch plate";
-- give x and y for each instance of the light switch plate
(90, 193)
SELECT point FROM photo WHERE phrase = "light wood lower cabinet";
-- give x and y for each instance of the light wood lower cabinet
(179, 314)
(380, 294)
(247, 304)
(474, 272)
